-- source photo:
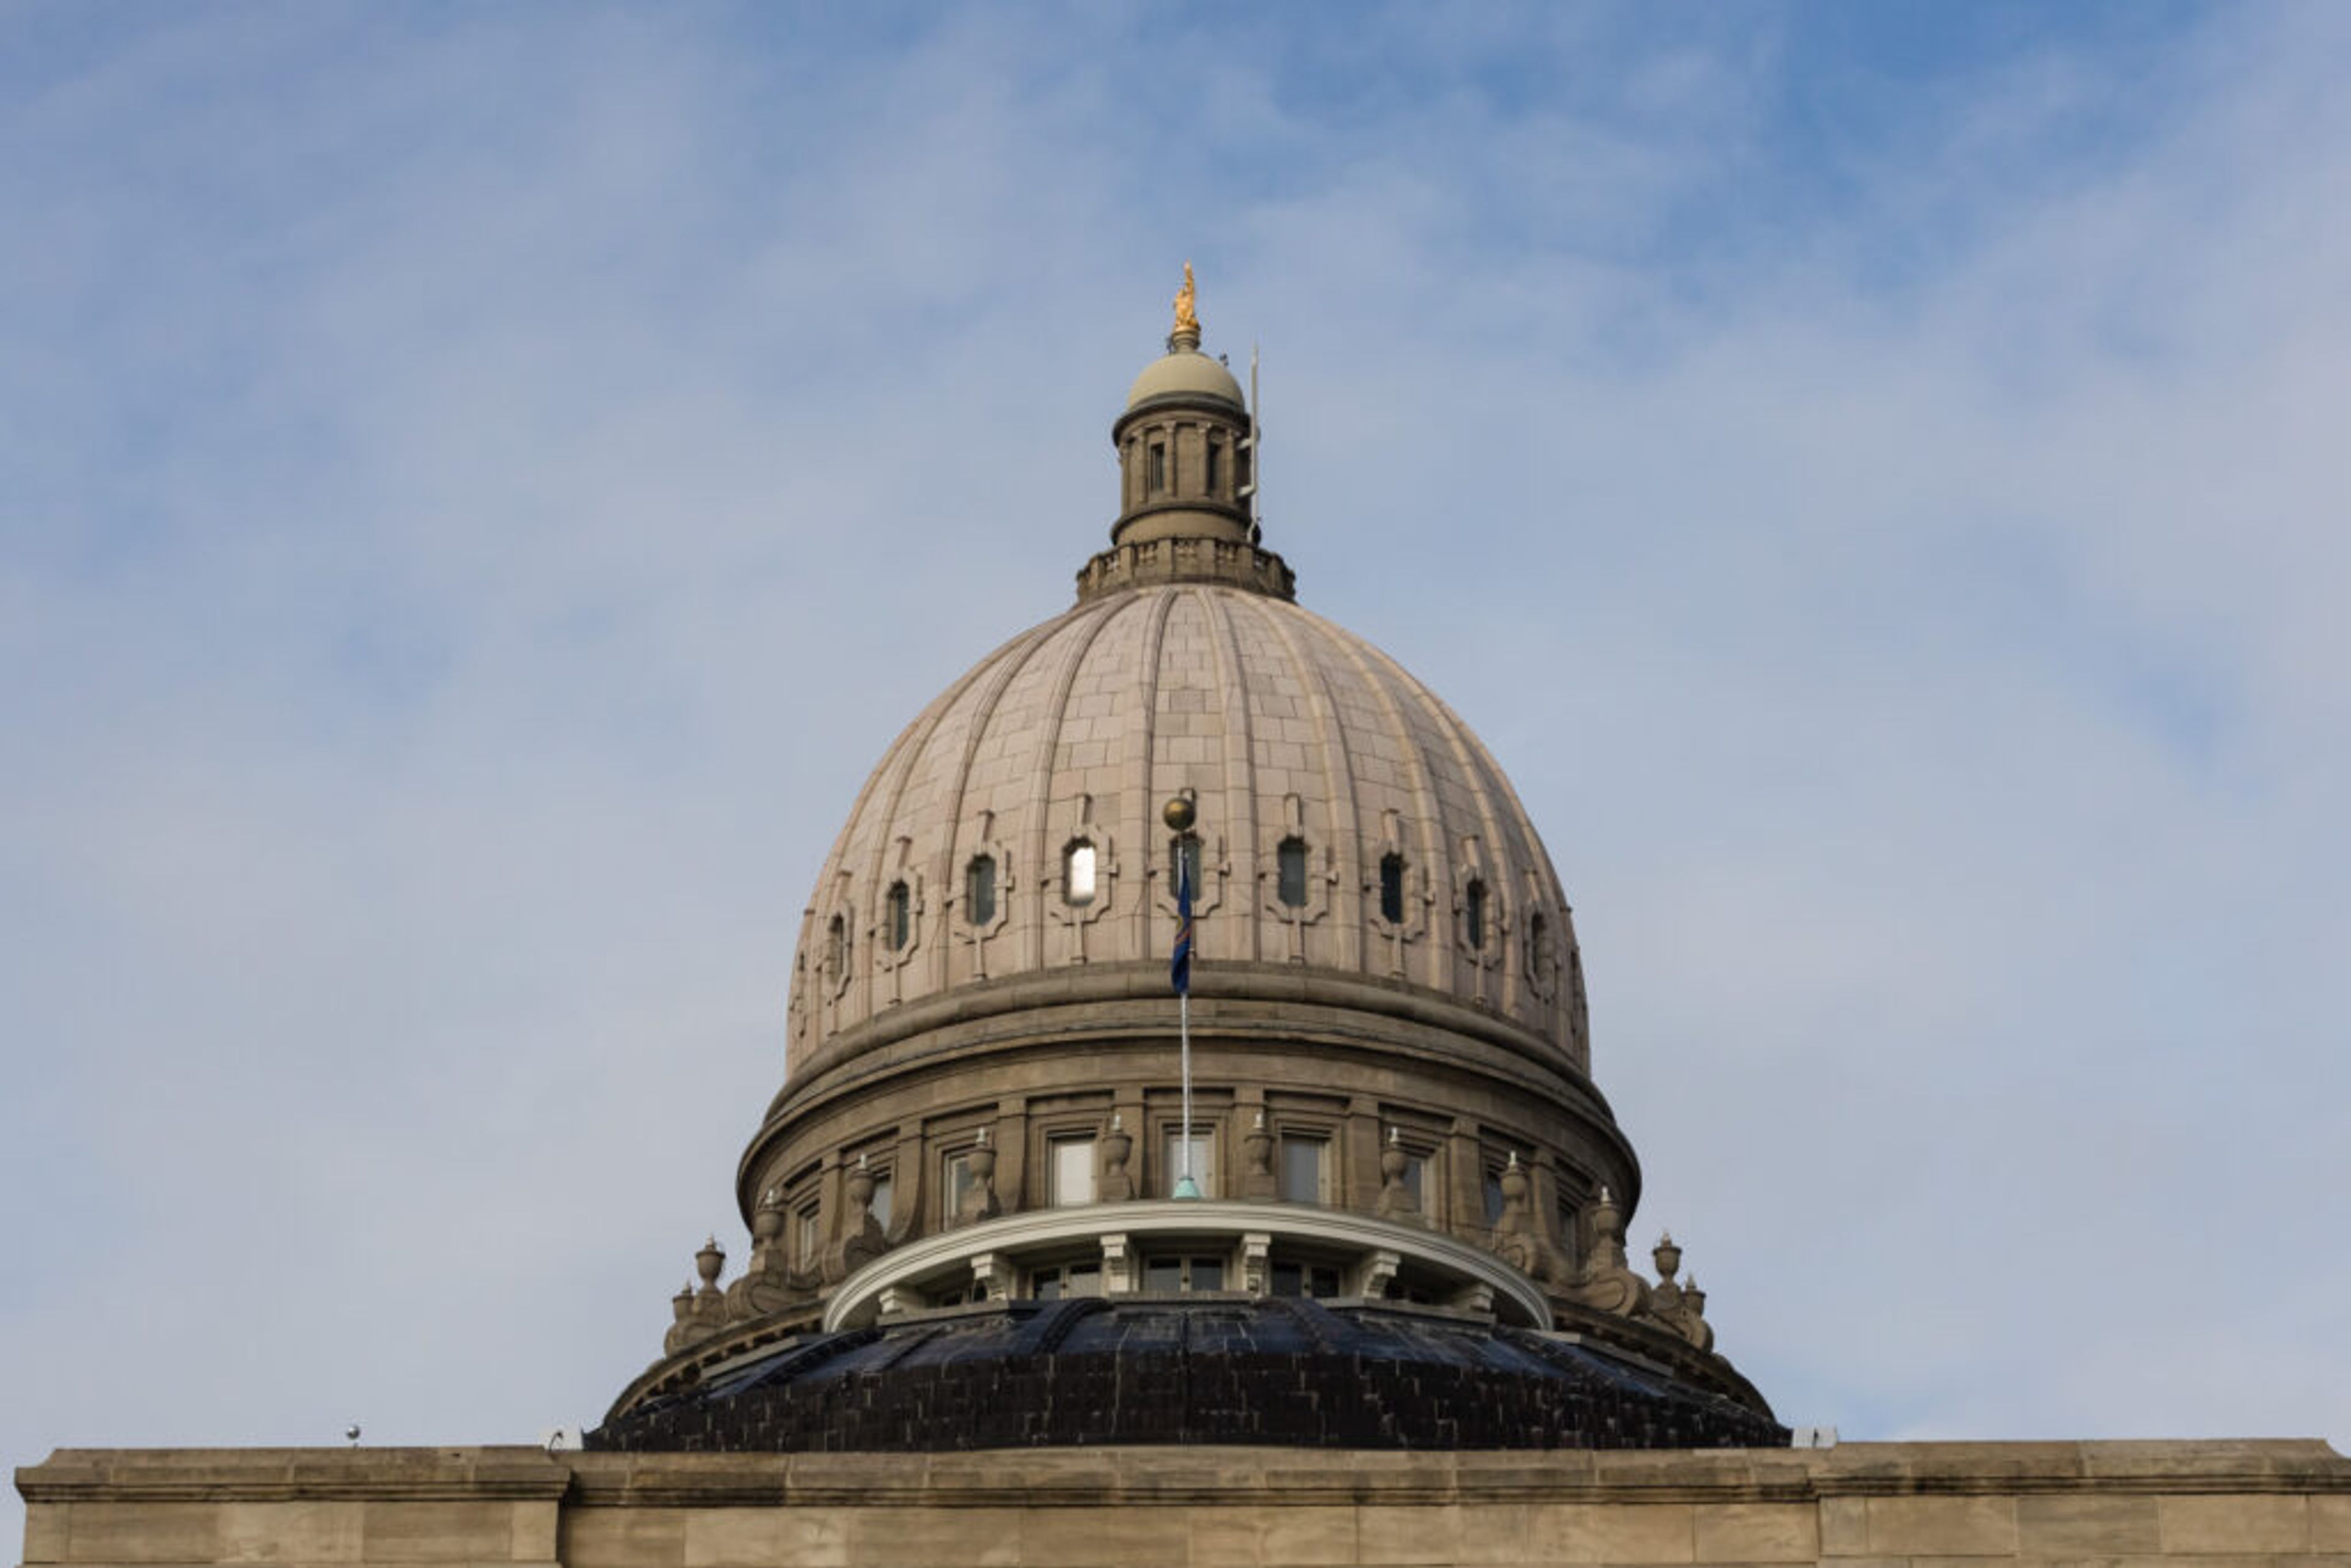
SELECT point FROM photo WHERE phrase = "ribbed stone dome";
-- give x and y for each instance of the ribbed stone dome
(1411, 863)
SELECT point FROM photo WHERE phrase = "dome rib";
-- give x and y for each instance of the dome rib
(1493, 785)
(1344, 826)
(1141, 744)
(1240, 812)
(1437, 851)
(903, 754)
(1038, 830)
(867, 900)
(1497, 853)
(1016, 657)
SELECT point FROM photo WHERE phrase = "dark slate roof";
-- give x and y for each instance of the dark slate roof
(1185, 1369)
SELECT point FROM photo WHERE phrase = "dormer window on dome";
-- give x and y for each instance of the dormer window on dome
(1077, 874)
(1289, 873)
(979, 890)
(898, 917)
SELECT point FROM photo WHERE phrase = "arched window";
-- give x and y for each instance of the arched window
(1213, 468)
(1289, 873)
(1158, 479)
(1473, 913)
(1077, 874)
(898, 917)
(979, 890)
(1391, 888)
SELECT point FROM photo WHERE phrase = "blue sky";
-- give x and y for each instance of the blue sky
(478, 487)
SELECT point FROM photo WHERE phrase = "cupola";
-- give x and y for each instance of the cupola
(1187, 453)
(1185, 456)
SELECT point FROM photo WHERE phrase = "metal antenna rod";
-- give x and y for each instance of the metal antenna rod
(1257, 456)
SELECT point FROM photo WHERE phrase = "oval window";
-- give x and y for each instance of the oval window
(1391, 888)
(1289, 873)
(979, 890)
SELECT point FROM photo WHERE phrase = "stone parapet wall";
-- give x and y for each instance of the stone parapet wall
(1944, 1504)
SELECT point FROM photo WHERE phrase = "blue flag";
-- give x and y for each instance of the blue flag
(1179, 971)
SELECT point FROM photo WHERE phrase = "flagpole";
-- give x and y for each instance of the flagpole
(1187, 1187)
(1178, 817)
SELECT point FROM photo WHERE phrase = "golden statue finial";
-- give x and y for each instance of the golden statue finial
(1186, 318)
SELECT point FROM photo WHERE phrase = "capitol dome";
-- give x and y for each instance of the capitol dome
(1371, 1097)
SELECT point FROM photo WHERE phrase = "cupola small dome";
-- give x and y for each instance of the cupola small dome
(1185, 373)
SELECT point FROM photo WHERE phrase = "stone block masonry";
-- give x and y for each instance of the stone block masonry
(1899, 1505)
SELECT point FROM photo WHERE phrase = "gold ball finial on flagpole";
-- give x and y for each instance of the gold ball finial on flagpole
(1178, 815)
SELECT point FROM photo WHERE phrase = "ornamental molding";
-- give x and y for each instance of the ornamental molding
(936, 1259)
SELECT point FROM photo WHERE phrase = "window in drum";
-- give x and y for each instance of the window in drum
(1305, 1168)
(960, 1183)
(1213, 469)
(1158, 467)
(1391, 888)
(1286, 1277)
(1169, 1274)
(1077, 874)
(980, 891)
(1204, 1159)
(1493, 1194)
(1057, 1280)
(879, 1205)
(1071, 1165)
(806, 1237)
(1473, 913)
(898, 916)
(1289, 873)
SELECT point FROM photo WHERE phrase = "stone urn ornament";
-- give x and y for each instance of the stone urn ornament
(1256, 1160)
(1117, 1186)
(1396, 1198)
